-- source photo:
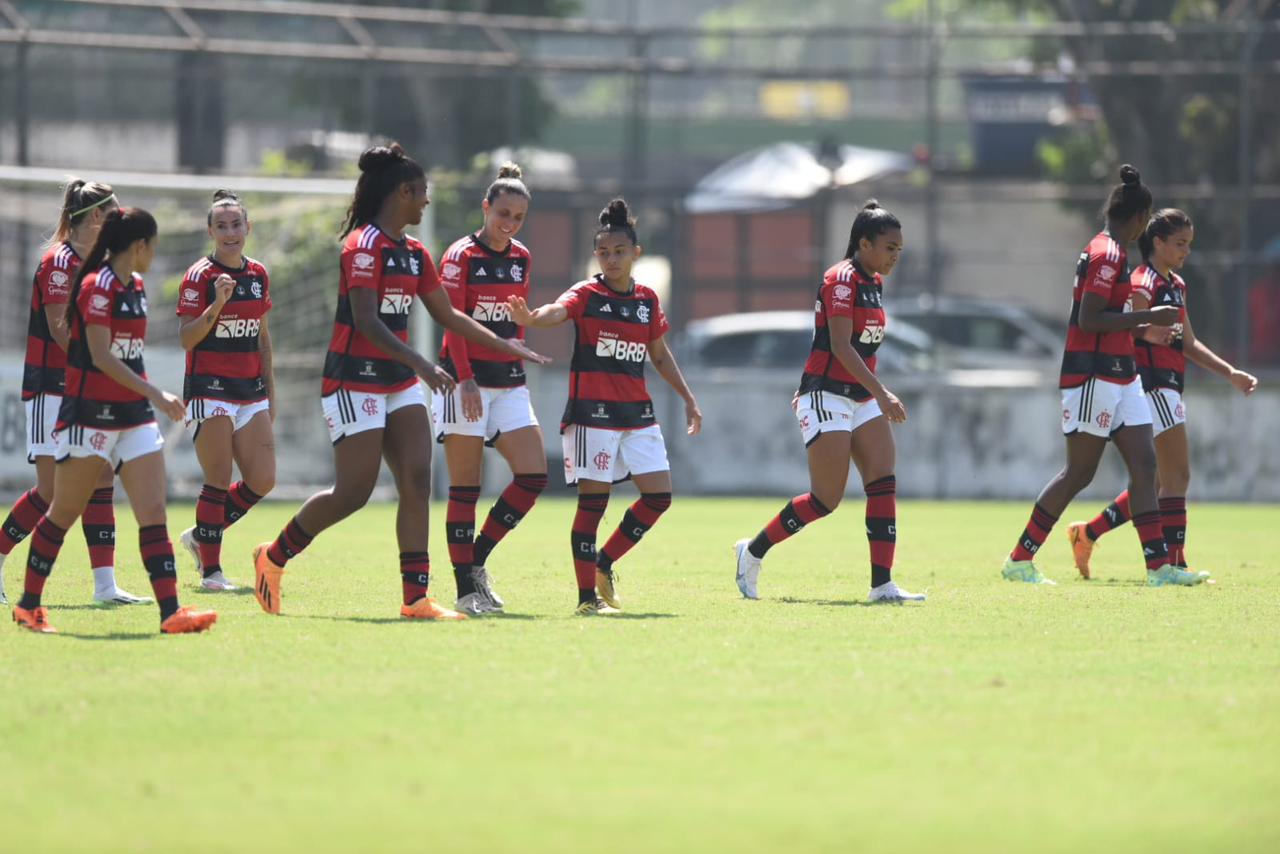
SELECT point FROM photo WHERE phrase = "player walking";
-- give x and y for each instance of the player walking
(609, 429)
(106, 420)
(844, 410)
(85, 206)
(1102, 394)
(490, 404)
(373, 402)
(1162, 354)
(229, 387)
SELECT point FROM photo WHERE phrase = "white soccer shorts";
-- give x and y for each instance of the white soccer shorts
(1100, 408)
(115, 446)
(1167, 409)
(610, 456)
(42, 417)
(351, 412)
(505, 411)
(201, 408)
(821, 412)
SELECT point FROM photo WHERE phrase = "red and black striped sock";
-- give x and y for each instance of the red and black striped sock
(99, 524)
(415, 575)
(22, 519)
(292, 540)
(211, 514)
(882, 527)
(45, 546)
(157, 557)
(800, 511)
(1115, 515)
(1151, 535)
(586, 524)
(1034, 535)
(1173, 516)
(240, 500)
(460, 534)
(516, 500)
(636, 522)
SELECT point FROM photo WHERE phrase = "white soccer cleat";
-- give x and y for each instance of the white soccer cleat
(474, 605)
(890, 592)
(188, 540)
(484, 586)
(120, 597)
(749, 567)
(217, 583)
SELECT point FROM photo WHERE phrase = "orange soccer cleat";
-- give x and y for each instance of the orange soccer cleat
(266, 580)
(1081, 546)
(186, 621)
(35, 620)
(427, 608)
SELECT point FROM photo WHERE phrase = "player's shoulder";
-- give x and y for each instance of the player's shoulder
(643, 291)
(1103, 247)
(1179, 282)
(519, 250)
(254, 267)
(364, 237)
(459, 248)
(200, 270)
(59, 256)
(842, 272)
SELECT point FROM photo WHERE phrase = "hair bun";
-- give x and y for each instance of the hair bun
(871, 205)
(219, 195)
(616, 214)
(1129, 176)
(381, 156)
(510, 169)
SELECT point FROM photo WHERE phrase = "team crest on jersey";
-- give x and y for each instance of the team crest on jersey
(255, 288)
(642, 313)
(415, 266)
(517, 273)
(602, 460)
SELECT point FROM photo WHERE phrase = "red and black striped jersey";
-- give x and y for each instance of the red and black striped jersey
(398, 271)
(91, 398)
(1103, 270)
(1159, 365)
(43, 370)
(227, 363)
(479, 280)
(613, 334)
(846, 291)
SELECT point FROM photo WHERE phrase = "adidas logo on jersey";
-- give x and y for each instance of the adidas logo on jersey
(396, 303)
(243, 327)
(623, 351)
(606, 308)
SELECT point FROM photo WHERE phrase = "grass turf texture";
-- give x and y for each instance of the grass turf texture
(996, 716)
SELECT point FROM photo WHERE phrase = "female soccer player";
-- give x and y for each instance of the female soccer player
(84, 207)
(372, 400)
(1102, 393)
(609, 428)
(1162, 355)
(229, 387)
(490, 404)
(106, 420)
(843, 409)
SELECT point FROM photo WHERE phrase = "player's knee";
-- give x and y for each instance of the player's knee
(658, 502)
(261, 481)
(1175, 481)
(1142, 464)
(1077, 477)
(415, 482)
(828, 501)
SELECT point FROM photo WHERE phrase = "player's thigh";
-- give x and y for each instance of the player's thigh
(523, 450)
(254, 449)
(45, 469)
(357, 459)
(406, 445)
(829, 466)
(464, 456)
(1137, 448)
(213, 449)
(145, 483)
(654, 481)
(74, 481)
(872, 449)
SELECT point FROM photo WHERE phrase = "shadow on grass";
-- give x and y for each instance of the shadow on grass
(112, 636)
(632, 615)
(104, 608)
(1113, 582)
(239, 591)
(843, 603)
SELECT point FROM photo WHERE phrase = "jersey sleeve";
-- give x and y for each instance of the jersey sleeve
(454, 343)
(95, 304)
(658, 325)
(54, 283)
(430, 279)
(837, 298)
(1143, 286)
(191, 296)
(266, 291)
(574, 301)
(1101, 275)
(361, 268)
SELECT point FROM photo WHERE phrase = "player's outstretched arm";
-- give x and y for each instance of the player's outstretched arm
(442, 312)
(1197, 351)
(551, 314)
(664, 362)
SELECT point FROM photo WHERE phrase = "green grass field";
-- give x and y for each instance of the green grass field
(1100, 715)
